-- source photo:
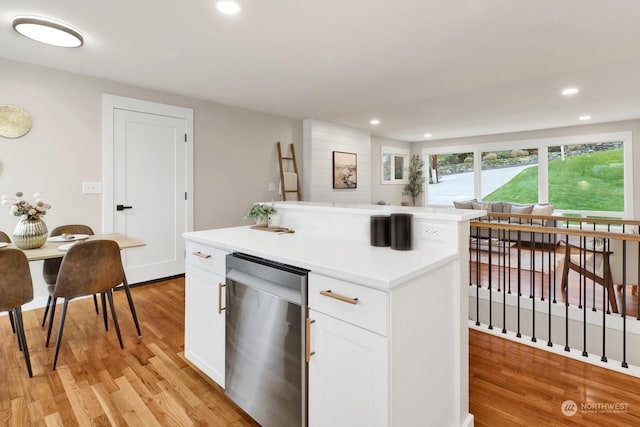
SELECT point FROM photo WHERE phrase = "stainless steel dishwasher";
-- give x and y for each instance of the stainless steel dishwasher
(266, 372)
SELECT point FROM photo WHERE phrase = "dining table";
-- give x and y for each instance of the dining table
(56, 248)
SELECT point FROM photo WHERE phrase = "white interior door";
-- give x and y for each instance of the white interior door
(151, 179)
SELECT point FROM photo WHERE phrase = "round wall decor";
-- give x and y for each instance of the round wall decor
(14, 121)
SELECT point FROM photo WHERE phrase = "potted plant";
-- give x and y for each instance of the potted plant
(414, 188)
(259, 212)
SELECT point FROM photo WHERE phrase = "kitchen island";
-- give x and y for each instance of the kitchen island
(397, 355)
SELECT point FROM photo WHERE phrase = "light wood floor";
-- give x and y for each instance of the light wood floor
(96, 383)
(149, 382)
(517, 385)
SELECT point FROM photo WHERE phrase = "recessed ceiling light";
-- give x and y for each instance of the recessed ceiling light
(47, 31)
(585, 117)
(570, 91)
(427, 135)
(228, 7)
(375, 122)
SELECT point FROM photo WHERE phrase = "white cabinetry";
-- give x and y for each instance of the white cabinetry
(347, 375)
(204, 318)
(349, 368)
(391, 358)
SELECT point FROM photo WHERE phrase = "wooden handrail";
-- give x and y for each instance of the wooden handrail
(553, 230)
(564, 218)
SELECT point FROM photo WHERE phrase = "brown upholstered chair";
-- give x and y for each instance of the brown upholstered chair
(16, 289)
(88, 268)
(51, 266)
(4, 238)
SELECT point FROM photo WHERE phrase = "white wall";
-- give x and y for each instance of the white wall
(235, 151)
(320, 140)
(389, 193)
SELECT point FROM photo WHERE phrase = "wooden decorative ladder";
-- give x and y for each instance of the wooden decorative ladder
(289, 181)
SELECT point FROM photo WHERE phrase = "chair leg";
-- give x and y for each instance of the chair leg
(115, 317)
(13, 328)
(46, 310)
(104, 311)
(22, 338)
(125, 284)
(13, 325)
(59, 337)
(52, 312)
(95, 303)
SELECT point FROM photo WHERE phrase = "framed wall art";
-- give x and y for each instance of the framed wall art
(345, 170)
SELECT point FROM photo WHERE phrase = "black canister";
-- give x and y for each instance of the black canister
(401, 231)
(380, 230)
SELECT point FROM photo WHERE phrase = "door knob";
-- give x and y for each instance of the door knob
(123, 207)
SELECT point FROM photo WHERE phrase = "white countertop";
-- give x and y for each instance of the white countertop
(357, 262)
(442, 213)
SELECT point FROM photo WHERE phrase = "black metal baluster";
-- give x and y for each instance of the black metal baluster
(470, 257)
(477, 277)
(555, 264)
(549, 342)
(605, 247)
(593, 282)
(566, 303)
(504, 294)
(518, 334)
(584, 311)
(638, 283)
(490, 281)
(583, 264)
(624, 304)
(532, 287)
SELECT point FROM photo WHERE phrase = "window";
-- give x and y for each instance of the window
(510, 175)
(395, 165)
(451, 177)
(587, 175)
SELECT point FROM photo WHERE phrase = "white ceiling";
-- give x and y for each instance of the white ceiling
(447, 67)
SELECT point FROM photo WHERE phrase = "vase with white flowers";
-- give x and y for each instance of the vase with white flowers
(31, 231)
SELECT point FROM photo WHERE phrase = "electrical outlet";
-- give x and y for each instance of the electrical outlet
(91, 187)
(431, 231)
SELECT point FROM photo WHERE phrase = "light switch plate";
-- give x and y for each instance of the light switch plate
(91, 187)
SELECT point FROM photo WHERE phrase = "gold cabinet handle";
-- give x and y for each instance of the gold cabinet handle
(220, 308)
(339, 297)
(308, 352)
(202, 255)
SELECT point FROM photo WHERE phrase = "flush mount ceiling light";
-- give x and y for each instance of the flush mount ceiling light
(570, 91)
(47, 31)
(585, 117)
(375, 122)
(427, 135)
(228, 7)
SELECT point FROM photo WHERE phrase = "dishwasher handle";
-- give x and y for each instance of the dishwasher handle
(220, 308)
